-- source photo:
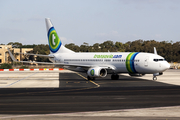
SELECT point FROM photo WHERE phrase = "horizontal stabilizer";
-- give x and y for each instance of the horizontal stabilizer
(48, 56)
(12, 57)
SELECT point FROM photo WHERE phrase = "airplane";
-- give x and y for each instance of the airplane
(99, 64)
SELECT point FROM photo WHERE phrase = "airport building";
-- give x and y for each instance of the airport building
(4, 54)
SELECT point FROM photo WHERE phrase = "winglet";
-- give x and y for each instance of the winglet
(155, 52)
(11, 55)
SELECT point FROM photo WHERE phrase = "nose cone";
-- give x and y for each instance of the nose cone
(166, 66)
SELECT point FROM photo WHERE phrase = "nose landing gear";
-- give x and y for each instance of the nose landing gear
(156, 74)
(154, 78)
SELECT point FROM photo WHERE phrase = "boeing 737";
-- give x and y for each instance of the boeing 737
(99, 64)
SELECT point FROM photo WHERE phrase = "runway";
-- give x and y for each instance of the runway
(71, 95)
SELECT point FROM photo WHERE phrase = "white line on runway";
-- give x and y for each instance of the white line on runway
(19, 80)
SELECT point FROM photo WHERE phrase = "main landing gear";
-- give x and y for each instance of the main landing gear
(90, 78)
(114, 77)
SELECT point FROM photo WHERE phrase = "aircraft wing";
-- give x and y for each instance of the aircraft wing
(13, 58)
(111, 67)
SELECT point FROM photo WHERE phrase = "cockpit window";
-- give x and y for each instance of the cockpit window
(161, 60)
(156, 60)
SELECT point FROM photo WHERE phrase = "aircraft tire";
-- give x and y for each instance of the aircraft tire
(90, 78)
(154, 78)
(114, 77)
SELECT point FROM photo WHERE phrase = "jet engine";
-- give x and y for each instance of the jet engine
(97, 72)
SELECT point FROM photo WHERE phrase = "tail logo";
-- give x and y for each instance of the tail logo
(54, 41)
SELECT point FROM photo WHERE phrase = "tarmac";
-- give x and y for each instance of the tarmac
(69, 95)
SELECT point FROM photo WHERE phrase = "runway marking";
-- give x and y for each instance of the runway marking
(19, 80)
(89, 80)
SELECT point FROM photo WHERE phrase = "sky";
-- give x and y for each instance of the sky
(90, 21)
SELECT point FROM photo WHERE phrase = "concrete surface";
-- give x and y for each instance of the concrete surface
(30, 79)
(69, 95)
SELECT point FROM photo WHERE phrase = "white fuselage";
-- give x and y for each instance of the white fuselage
(123, 62)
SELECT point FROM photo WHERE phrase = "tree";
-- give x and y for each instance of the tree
(15, 44)
(169, 50)
(41, 49)
(6, 66)
(73, 47)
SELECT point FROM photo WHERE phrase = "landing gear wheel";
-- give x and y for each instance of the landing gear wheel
(90, 78)
(154, 78)
(114, 77)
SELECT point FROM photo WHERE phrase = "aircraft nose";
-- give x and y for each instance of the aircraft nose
(166, 66)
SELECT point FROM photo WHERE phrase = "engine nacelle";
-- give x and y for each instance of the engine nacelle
(157, 74)
(136, 74)
(97, 72)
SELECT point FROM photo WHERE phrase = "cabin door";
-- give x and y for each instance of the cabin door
(146, 61)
